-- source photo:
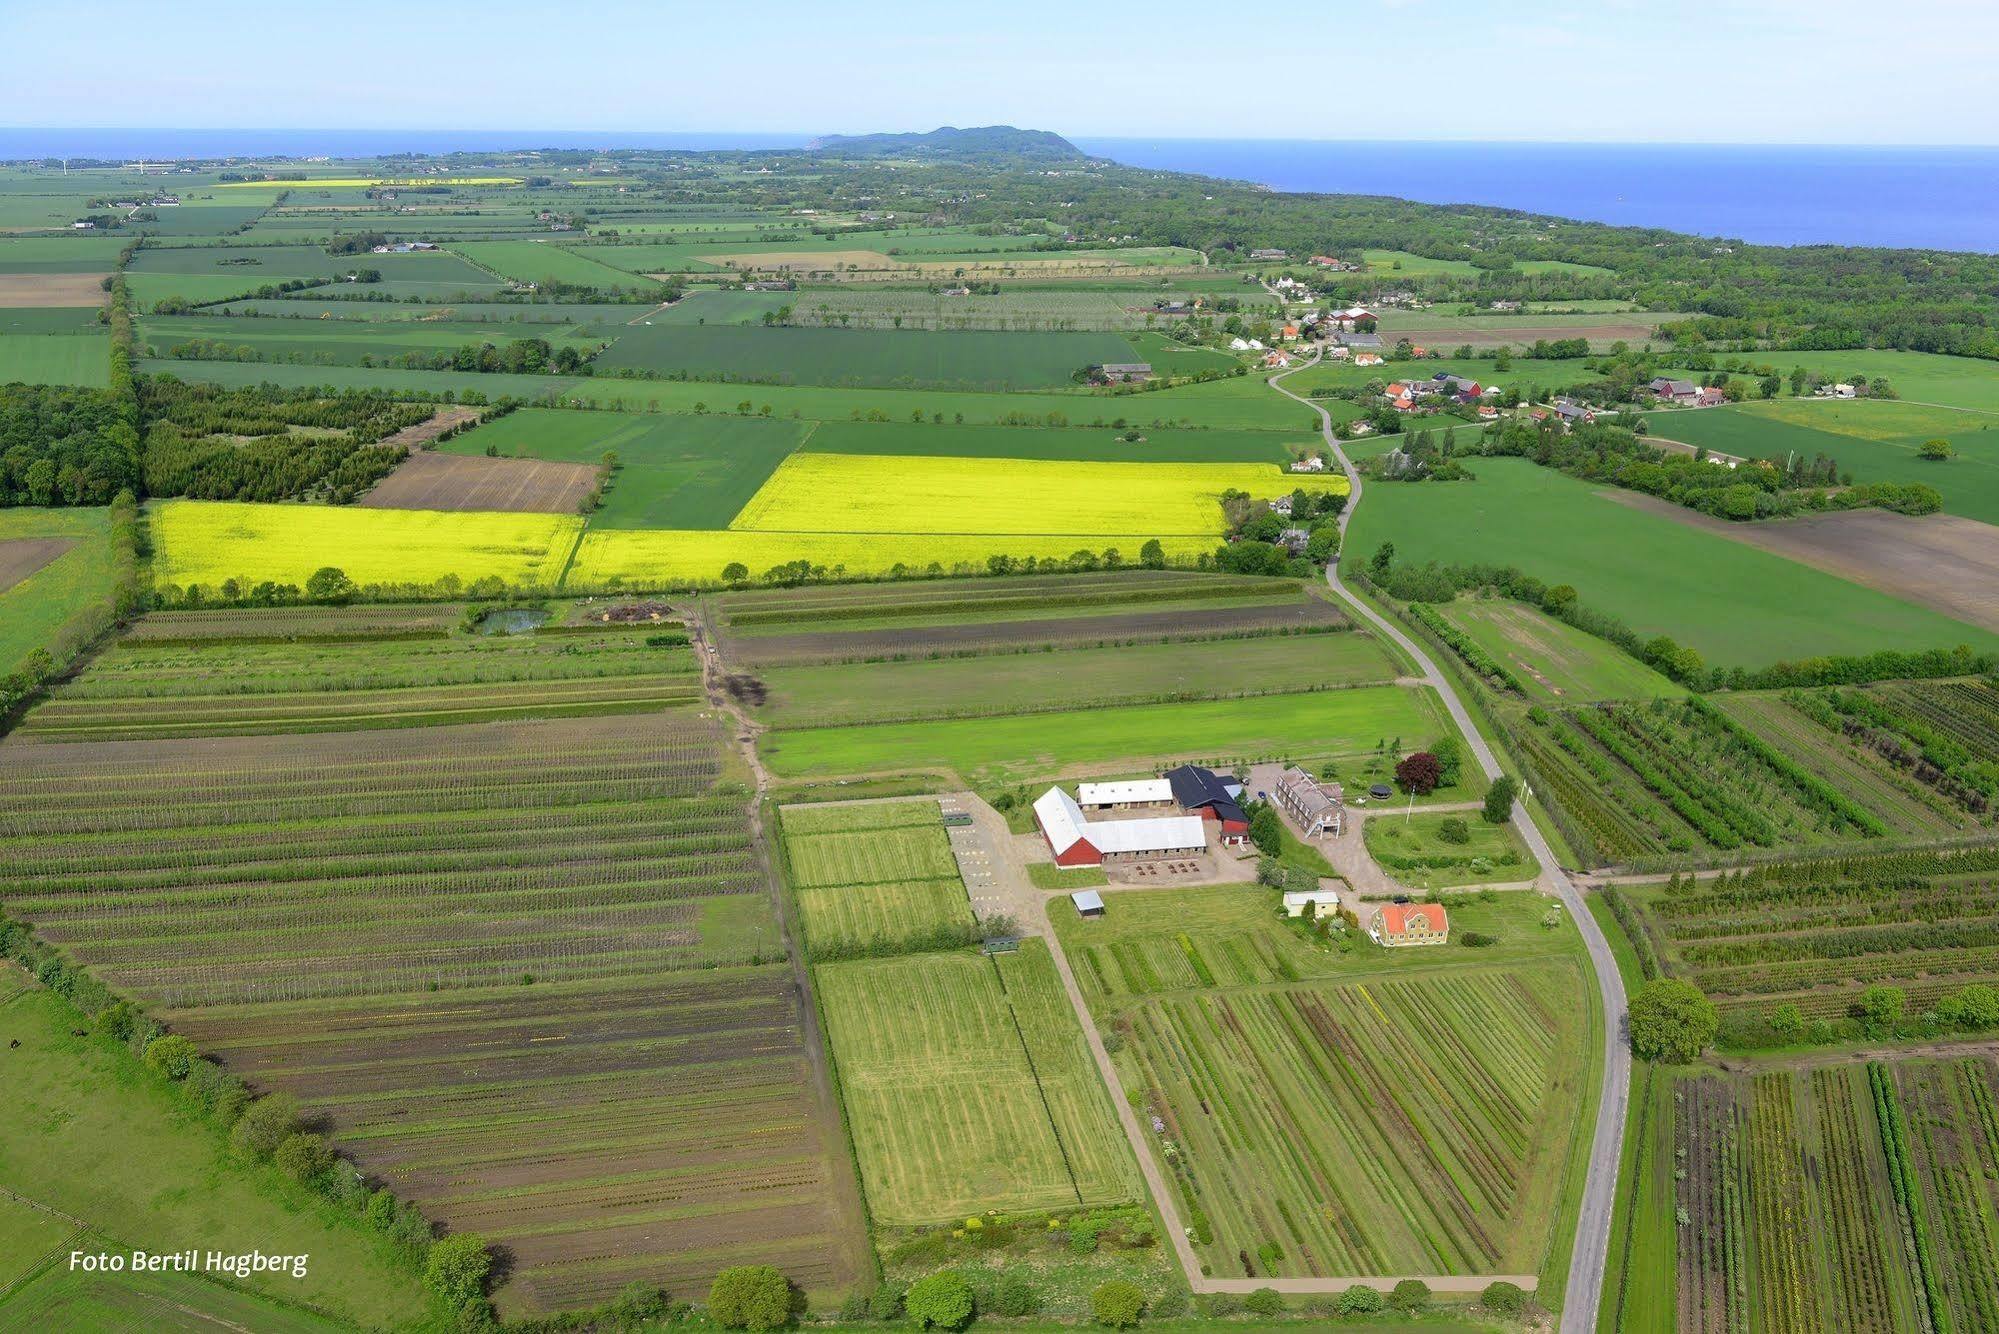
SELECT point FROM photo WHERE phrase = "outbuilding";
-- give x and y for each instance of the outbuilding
(1088, 903)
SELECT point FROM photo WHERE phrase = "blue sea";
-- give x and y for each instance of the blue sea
(1940, 198)
(1943, 198)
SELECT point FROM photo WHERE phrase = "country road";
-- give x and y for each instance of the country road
(1592, 1245)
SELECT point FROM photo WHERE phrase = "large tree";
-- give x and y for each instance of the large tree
(1671, 1021)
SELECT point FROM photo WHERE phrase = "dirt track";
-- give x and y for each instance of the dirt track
(22, 556)
(1940, 561)
(431, 481)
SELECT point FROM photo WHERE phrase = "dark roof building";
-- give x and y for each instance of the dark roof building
(1205, 792)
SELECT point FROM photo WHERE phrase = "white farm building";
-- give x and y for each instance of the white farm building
(1079, 841)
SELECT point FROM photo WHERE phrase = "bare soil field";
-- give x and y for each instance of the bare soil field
(1001, 636)
(441, 422)
(20, 291)
(431, 481)
(22, 556)
(1940, 561)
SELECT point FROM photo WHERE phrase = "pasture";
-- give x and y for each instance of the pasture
(253, 266)
(1800, 1186)
(1552, 659)
(968, 1087)
(74, 1103)
(1326, 724)
(1302, 1128)
(208, 542)
(906, 359)
(1736, 605)
(672, 471)
(490, 885)
(329, 342)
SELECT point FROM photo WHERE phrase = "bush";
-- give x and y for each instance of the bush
(1361, 1300)
(1264, 1301)
(752, 1297)
(1014, 1296)
(304, 1156)
(1117, 1304)
(456, 1268)
(1453, 830)
(173, 1055)
(1503, 1298)
(1477, 940)
(1499, 800)
(267, 1123)
(939, 1301)
(1411, 1294)
(885, 1303)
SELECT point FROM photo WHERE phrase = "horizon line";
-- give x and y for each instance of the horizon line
(527, 143)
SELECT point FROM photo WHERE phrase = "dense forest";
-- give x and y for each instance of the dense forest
(63, 446)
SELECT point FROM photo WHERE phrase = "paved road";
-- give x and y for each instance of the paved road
(1586, 1266)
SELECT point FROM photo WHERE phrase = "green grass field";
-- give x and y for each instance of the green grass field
(874, 877)
(537, 262)
(968, 1087)
(333, 342)
(1737, 605)
(253, 266)
(34, 610)
(74, 1104)
(1875, 441)
(1324, 724)
(1553, 660)
(60, 254)
(1412, 849)
(80, 359)
(673, 471)
(863, 357)
(1233, 403)
(1102, 445)
(1017, 683)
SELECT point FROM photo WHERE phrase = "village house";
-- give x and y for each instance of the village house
(1317, 808)
(1267, 253)
(1276, 357)
(1572, 412)
(1834, 391)
(1710, 398)
(1338, 353)
(1310, 463)
(1321, 902)
(1675, 391)
(1506, 305)
(1122, 371)
(1394, 924)
(1294, 540)
(1281, 505)
(1368, 359)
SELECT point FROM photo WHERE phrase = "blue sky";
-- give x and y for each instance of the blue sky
(1751, 71)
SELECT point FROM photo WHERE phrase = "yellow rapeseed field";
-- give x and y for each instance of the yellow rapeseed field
(206, 542)
(869, 493)
(642, 556)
